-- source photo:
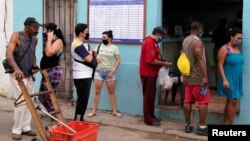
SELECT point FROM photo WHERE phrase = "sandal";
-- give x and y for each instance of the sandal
(90, 115)
(119, 115)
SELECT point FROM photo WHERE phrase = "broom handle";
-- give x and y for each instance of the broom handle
(56, 119)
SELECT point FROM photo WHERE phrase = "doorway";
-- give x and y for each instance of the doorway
(177, 16)
(62, 13)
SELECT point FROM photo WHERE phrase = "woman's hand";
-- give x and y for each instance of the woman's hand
(51, 36)
(111, 73)
(98, 58)
(225, 84)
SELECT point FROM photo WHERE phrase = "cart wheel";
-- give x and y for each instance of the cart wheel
(36, 139)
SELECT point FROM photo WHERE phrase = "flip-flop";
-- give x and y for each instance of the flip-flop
(119, 115)
(90, 115)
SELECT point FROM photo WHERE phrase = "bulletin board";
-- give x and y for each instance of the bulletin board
(126, 18)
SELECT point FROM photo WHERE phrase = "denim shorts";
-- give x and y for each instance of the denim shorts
(103, 75)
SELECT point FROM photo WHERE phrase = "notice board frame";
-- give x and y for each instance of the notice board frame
(96, 12)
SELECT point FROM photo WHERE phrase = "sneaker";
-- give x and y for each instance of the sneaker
(202, 131)
(189, 128)
(16, 136)
(29, 133)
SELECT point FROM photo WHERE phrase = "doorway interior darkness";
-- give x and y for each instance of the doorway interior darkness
(181, 13)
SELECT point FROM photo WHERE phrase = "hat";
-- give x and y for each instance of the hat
(31, 21)
(159, 30)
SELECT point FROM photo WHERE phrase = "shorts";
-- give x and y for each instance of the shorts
(103, 75)
(192, 94)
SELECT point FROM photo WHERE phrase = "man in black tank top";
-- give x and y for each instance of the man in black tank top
(21, 56)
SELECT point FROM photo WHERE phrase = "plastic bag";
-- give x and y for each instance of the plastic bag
(183, 64)
(164, 79)
(7, 67)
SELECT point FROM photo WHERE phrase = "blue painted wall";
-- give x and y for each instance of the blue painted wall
(244, 117)
(21, 11)
(128, 84)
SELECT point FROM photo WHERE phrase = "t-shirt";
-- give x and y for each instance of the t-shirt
(79, 51)
(150, 51)
(107, 54)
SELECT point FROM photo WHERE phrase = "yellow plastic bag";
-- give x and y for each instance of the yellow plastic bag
(183, 64)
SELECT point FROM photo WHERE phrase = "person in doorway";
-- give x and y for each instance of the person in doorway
(50, 62)
(220, 37)
(82, 74)
(229, 83)
(21, 56)
(105, 71)
(196, 85)
(237, 23)
(150, 64)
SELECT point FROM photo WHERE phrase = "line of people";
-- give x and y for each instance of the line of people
(229, 76)
(230, 63)
(23, 44)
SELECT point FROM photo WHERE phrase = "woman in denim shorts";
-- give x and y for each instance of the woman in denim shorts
(105, 71)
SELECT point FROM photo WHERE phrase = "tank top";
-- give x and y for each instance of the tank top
(195, 77)
(26, 63)
(49, 62)
(233, 71)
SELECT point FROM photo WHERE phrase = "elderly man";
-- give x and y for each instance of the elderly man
(21, 56)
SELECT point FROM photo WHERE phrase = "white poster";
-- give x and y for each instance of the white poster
(124, 17)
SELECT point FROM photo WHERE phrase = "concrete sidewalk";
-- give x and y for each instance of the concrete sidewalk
(127, 122)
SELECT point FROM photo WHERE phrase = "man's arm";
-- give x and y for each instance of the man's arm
(198, 51)
(159, 62)
(34, 57)
(14, 39)
(11, 49)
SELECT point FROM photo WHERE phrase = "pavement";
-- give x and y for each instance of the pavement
(130, 122)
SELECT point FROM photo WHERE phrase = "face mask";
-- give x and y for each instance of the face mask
(237, 43)
(87, 36)
(159, 40)
(105, 42)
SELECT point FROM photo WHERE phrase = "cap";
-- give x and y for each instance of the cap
(31, 21)
(160, 30)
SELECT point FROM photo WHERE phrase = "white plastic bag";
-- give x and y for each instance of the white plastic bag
(164, 79)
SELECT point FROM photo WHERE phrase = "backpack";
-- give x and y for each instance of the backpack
(183, 62)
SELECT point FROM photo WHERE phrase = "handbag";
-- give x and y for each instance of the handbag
(183, 62)
(93, 64)
(7, 67)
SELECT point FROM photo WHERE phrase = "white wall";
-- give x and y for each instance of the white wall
(8, 25)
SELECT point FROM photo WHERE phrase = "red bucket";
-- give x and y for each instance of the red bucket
(86, 131)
